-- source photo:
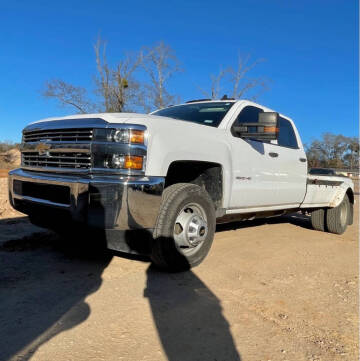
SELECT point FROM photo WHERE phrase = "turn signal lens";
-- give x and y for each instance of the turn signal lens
(133, 162)
(137, 136)
(271, 130)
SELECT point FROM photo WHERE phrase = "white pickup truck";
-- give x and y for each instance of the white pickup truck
(173, 174)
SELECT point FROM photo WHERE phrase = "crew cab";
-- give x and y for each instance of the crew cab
(159, 183)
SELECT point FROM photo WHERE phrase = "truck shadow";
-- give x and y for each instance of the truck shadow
(188, 318)
(44, 280)
(296, 219)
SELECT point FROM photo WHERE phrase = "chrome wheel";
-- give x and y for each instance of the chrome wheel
(190, 229)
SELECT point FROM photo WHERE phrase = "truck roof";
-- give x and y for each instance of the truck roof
(228, 100)
(232, 100)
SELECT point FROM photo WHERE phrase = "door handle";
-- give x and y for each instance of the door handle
(302, 160)
(273, 154)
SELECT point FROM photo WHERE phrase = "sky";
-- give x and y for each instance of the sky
(310, 50)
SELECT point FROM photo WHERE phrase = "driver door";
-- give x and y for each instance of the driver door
(255, 169)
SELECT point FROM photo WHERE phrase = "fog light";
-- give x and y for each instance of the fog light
(116, 161)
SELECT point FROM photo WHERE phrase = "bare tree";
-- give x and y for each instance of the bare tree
(115, 87)
(160, 63)
(236, 81)
(241, 83)
(215, 85)
(69, 95)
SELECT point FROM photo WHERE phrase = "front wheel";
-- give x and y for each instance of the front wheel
(185, 227)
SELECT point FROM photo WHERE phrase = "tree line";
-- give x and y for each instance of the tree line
(7, 145)
(333, 151)
(139, 81)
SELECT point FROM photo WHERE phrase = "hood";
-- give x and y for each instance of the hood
(106, 120)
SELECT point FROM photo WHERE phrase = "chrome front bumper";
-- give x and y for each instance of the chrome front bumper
(114, 203)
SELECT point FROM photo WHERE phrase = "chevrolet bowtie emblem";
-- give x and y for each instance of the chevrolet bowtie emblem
(42, 148)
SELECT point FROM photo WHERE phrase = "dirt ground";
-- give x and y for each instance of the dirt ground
(274, 290)
(4, 173)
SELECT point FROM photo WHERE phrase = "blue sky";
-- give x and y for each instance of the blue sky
(310, 47)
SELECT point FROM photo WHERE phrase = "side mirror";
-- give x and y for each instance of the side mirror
(267, 128)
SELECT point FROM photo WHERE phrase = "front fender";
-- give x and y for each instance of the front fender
(206, 146)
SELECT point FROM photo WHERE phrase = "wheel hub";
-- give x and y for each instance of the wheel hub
(190, 228)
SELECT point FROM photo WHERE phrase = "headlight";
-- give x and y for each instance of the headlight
(129, 136)
(122, 149)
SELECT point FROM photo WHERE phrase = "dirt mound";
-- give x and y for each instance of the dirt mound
(10, 159)
(6, 211)
(14, 156)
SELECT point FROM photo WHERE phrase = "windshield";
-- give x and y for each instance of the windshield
(211, 113)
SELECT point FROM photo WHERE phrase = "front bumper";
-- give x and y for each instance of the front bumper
(113, 203)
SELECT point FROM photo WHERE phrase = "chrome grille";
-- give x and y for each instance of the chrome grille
(57, 160)
(58, 135)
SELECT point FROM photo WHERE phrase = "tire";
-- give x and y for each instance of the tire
(185, 228)
(351, 214)
(338, 218)
(318, 219)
